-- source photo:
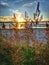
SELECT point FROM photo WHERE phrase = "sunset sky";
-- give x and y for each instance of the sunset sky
(8, 7)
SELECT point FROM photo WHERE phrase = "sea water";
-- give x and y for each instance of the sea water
(39, 33)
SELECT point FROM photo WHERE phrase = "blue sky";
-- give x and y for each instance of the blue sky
(8, 6)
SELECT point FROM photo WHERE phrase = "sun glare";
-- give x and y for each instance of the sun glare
(21, 19)
(20, 23)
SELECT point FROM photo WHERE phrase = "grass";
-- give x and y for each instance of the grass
(23, 54)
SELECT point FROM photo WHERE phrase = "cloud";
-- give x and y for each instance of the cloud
(4, 4)
(17, 1)
(30, 4)
(17, 12)
(41, 0)
(13, 11)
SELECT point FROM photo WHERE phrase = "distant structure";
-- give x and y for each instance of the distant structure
(37, 16)
(47, 34)
(3, 26)
(47, 25)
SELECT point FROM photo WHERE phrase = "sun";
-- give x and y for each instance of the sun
(21, 23)
(21, 19)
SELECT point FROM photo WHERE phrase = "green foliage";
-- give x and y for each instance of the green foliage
(45, 54)
(29, 54)
(5, 54)
(6, 59)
